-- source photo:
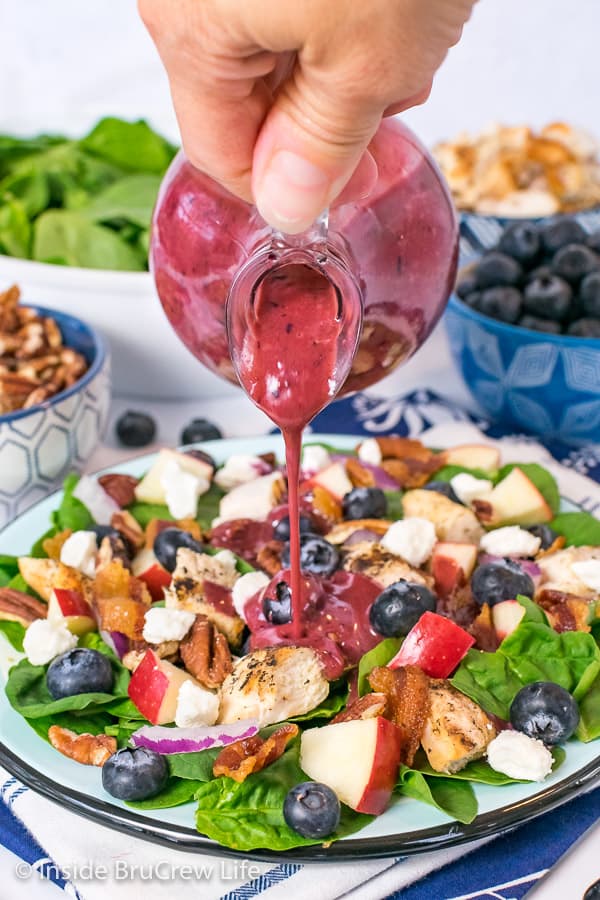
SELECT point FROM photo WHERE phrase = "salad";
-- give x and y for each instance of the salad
(85, 202)
(450, 635)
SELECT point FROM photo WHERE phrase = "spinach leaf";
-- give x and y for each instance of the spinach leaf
(71, 513)
(446, 473)
(451, 796)
(578, 528)
(249, 815)
(122, 729)
(175, 792)
(480, 770)
(15, 230)
(330, 707)
(208, 506)
(541, 478)
(394, 505)
(194, 766)
(132, 146)
(9, 567)
(589, 714)
(14, 632)
(130, 199)
(143, 513)
(86, 721)
(67, 238)
(30, 188)
(533, 612)
(380, 655)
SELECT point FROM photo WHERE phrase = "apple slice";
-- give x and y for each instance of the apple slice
(435, 644)
(514, 501)
(147, 568)
(151, 489)
(72, 608)
(154, 688)
(359, 760)
(334, 479)
(506, 616)
(452, 563)
(473, 456)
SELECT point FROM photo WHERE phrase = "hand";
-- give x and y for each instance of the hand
(278, 99)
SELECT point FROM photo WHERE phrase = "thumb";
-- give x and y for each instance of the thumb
(310, 145)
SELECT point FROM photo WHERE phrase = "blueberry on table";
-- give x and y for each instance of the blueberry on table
(466, 285)
(539, 272)
(546, 711)
(473, 299)
(134, 773)
(281, 529)
(500, 580)
(278, 610)
(497, 270)
(589, 293)
(399, 607)
(574, 262)
(442, 487)
(312, 809)
(560, 232)
(317, 555)
(593, 241)
(168, 542)
(522, 242)
(200, 430)
(364, 503)
(79, 671)
(586, 328)
(135, 429)
(502, 303)
(546, 535)
(548, 297)
(534, 323)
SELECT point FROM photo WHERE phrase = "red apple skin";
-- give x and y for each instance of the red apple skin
(72, 603)
(148, 687)
(156, 578)
(384, 773)
(506, 617)
(447, 575)
(435, 644)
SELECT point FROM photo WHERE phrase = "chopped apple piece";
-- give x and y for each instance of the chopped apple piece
(151, 488)
(452, 563)
(514, 501)
(72, 608)
(147, 568)
(154, 688)
(334, 479)
(506, 616)
(473, 456)
(359, 760)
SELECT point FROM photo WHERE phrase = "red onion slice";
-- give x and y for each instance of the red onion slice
(190, 740)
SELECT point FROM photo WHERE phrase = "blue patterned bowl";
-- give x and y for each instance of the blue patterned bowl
(526, 381)
(38, 446)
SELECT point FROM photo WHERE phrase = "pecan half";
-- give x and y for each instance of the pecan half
(242, 758)
(120, 487)
(407, 693)
(87, 749)
(358, 474)
(205, 653)
(16, 606)
(368, 707)
(269, 557)
(129, 527)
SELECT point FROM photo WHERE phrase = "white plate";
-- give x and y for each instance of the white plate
(407, 827)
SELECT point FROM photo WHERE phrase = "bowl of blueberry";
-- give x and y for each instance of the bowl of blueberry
(524, 330)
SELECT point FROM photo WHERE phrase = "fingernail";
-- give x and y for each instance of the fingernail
(292, 193)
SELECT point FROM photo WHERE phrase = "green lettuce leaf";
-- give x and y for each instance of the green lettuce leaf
(330, 707)
(14, 632)
(447, 473)
(578, 528)
(544, 481)
(175, 792)
(193, 766)
(132, 146)
(451, 796)
(394, 505)
(71, 513)
(380, 655)
(481, 772)
(86, 721)
(589, 714)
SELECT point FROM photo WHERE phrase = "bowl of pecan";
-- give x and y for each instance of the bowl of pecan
(54, 399)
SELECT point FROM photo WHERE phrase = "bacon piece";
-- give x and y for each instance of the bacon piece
(244, 757)
(566, 612)
(407, 693)
(368, 707)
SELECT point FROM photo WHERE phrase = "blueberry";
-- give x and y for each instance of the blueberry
(593, 241)
(546, 534)
(546, 711)
(134, 773)
(586, 328)
(316, 555)
(473, 299)
(540, 272)
(200, 430)
(102, 531)
(135, 429)
(79, 671)
(312, 809)
(278, 609)
(522, 242)
(502, 580)
(593, 891)
(168, 542)
(399, 607)
(281, 529)
(589, 292)
(442, 487)
(548, 297)
(364, 503)
(534, 323)
(502, 303)
(466, 285)
(497, 270)
(574, 262)
(560, 232)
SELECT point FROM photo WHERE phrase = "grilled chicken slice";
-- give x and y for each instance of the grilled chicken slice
(452, 521)
(371, 559)
(272, 685)
(558, 575)
(43, 575)
(456, 731)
